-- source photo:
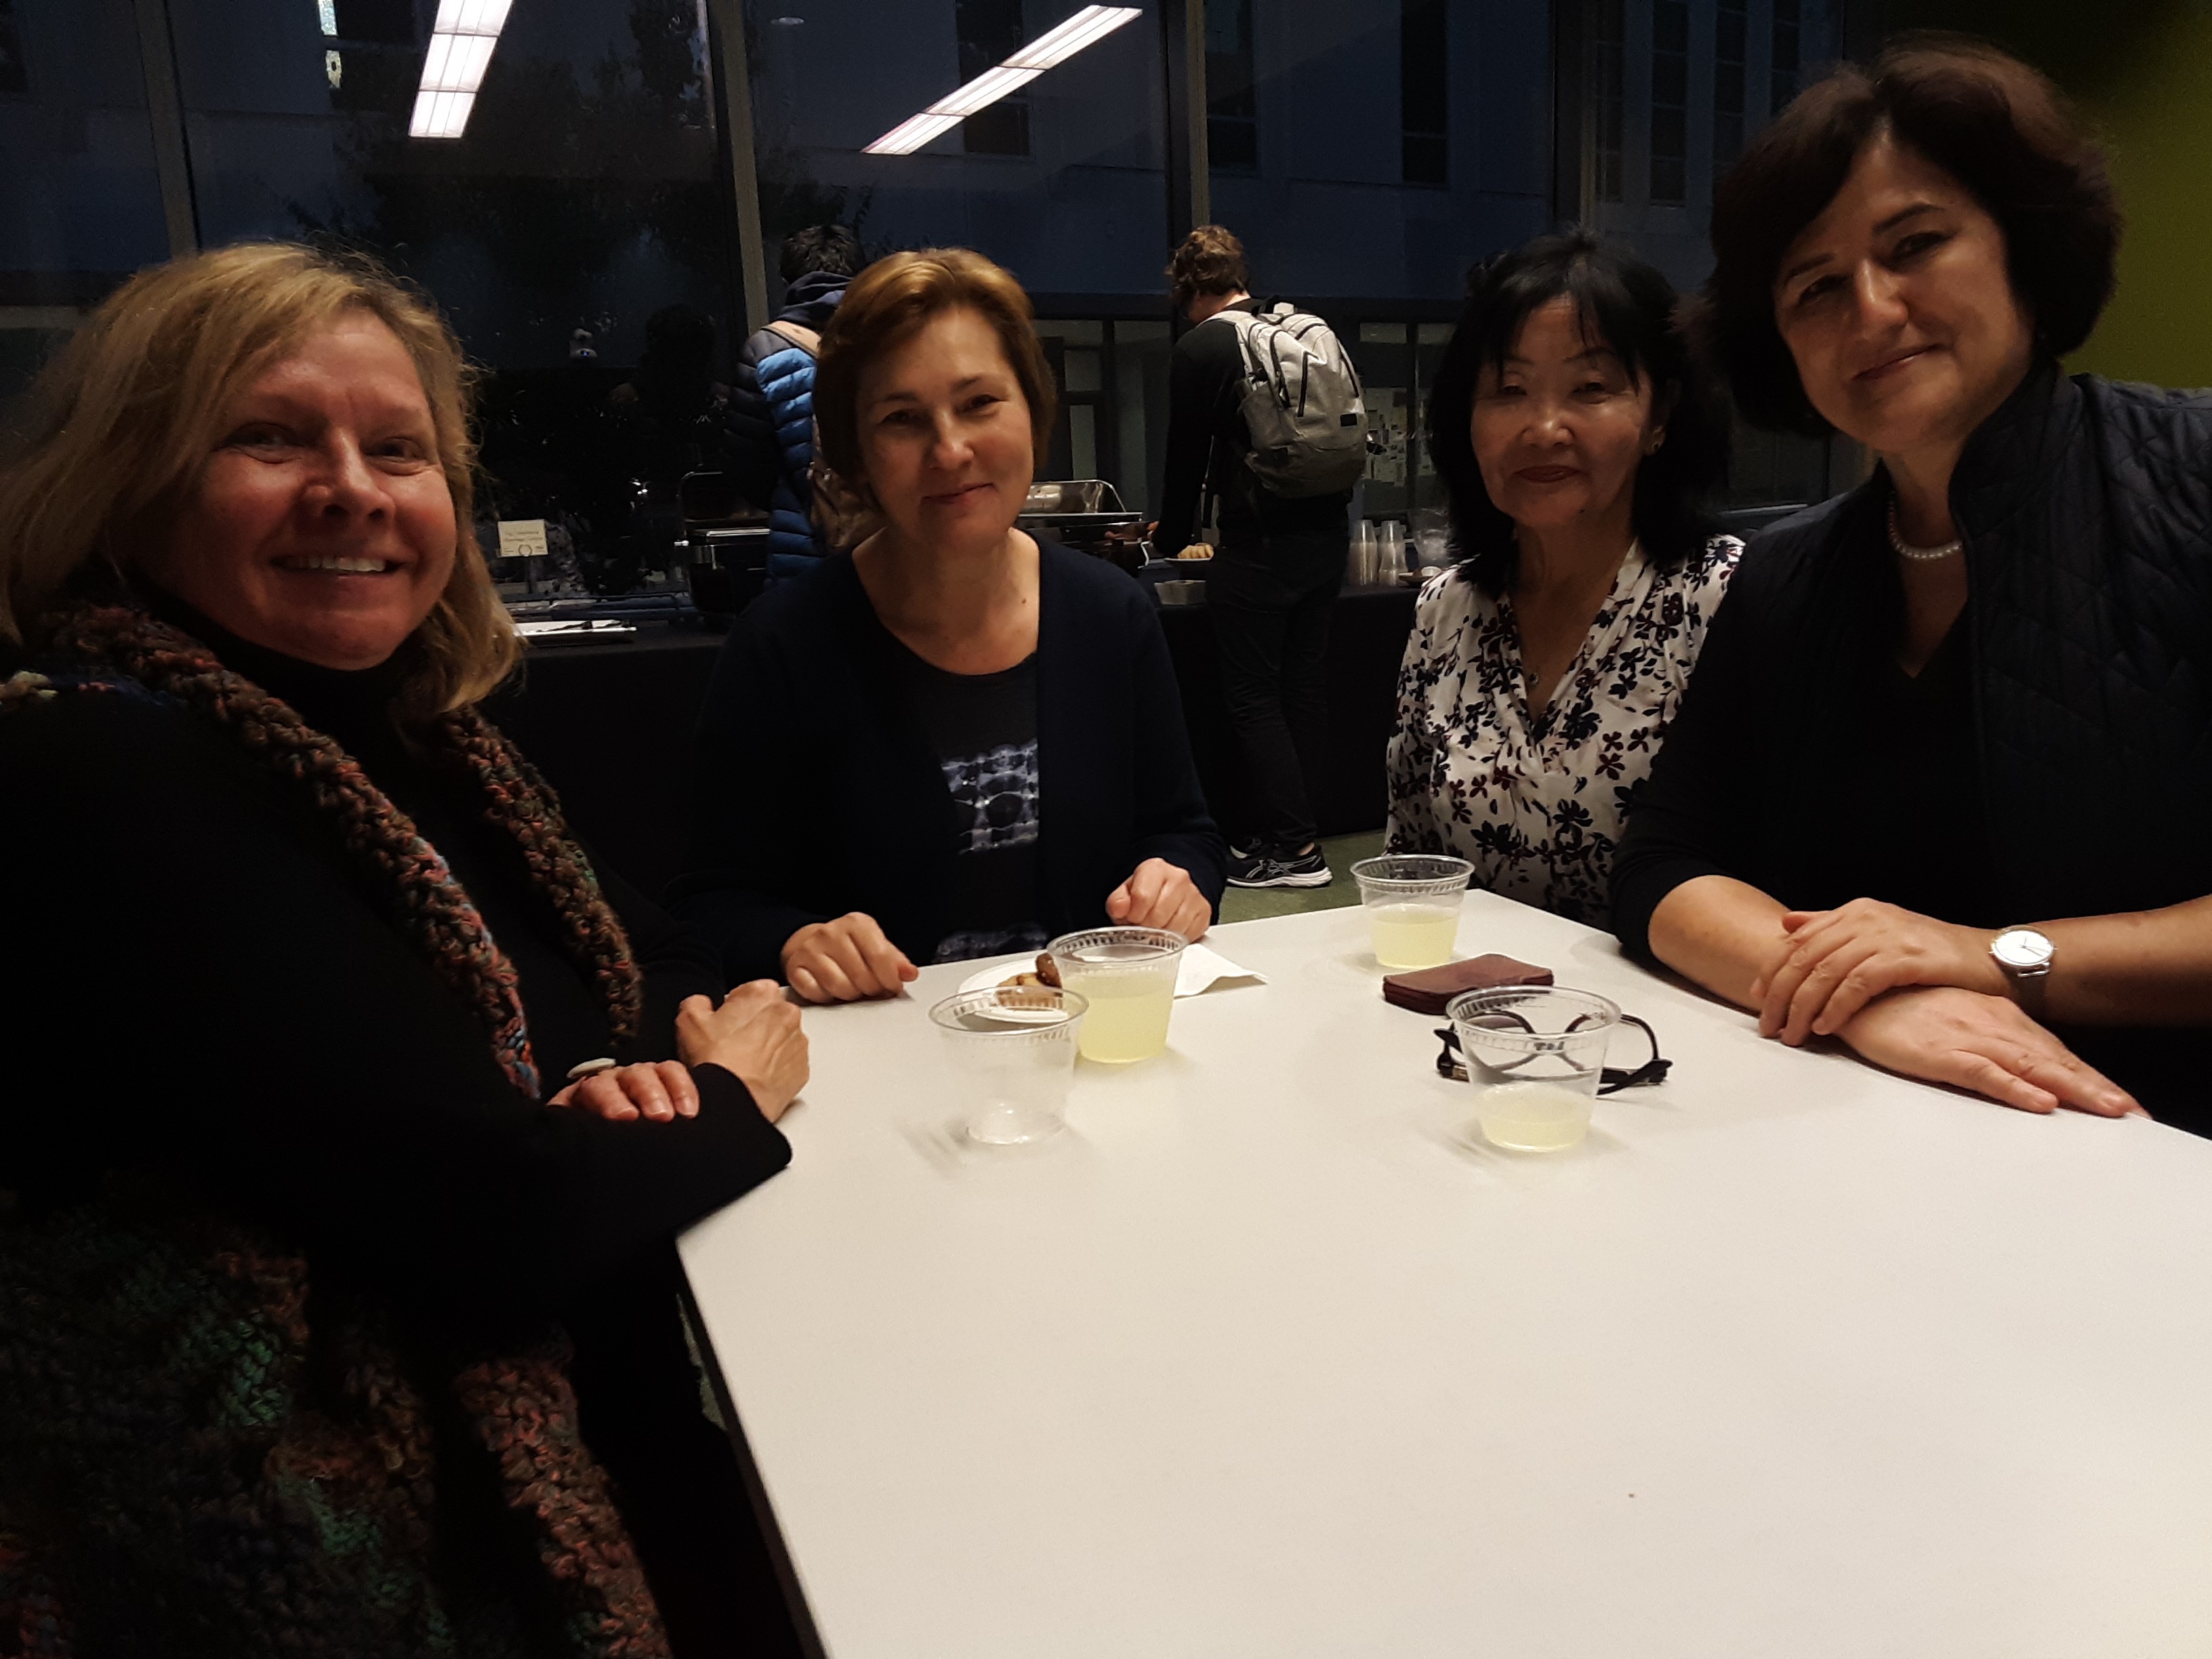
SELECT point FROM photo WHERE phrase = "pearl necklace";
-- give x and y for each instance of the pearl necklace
(1919, 554)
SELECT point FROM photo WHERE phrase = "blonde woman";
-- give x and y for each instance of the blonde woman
(305, 962)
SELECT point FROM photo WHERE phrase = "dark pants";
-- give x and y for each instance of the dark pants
(1271, 605)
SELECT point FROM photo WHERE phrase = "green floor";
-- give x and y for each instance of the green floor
(1246, 903)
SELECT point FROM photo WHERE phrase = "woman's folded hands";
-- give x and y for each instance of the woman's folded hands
(1925, 998)
(1941, 1034)
(754, 1034)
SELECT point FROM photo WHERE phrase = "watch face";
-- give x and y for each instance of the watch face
(2022, 949)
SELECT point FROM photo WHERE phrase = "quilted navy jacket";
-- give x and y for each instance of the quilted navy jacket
(2086, 507)
(772, 417)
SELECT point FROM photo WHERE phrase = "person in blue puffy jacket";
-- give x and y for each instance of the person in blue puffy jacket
(772, 397)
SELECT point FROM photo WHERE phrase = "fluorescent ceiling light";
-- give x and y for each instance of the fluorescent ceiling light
(471, 16)
(457, 62)
(440, 114)
(912, 134)
(983, 91)
(1053, 47)
(453, 66)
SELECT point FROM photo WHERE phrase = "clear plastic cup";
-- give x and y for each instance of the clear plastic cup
(1412, 901)
(1536, 1055)
(1128, 974)
(1013, 1055)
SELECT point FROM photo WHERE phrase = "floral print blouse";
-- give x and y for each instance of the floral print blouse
(1535, 800)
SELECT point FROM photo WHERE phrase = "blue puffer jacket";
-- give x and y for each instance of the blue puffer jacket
(772, 420)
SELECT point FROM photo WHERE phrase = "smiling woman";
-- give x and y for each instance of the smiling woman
(1575, 439)
(334, 952)
(952, 742)
(1936, 787)
(323, 525)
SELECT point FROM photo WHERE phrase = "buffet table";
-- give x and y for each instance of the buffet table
(611, 724)
(1264, 1356)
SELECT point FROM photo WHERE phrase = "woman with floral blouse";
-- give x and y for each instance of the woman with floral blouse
(1575, 438)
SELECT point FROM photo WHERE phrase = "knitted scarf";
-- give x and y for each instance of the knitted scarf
(201, 1451)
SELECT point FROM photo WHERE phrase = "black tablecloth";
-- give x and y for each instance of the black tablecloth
(610, 725)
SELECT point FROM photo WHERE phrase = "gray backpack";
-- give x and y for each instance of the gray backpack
(1301, 405)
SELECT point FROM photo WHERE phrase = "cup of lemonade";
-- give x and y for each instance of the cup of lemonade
(1127, 975)
(1534, 1055)
(1412, 901)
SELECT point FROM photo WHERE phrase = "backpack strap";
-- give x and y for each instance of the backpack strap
(800, 335)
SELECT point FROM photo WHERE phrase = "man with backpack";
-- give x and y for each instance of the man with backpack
(772, 396)
(1265, 417)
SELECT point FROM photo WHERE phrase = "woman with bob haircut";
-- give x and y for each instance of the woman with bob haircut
(951, 742)
(1575, 441)
(351, 1114)
(1939, 786)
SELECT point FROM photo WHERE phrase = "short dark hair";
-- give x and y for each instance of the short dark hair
(1629, 305)
(1997, 126)
(821, 247)
(1211, 260)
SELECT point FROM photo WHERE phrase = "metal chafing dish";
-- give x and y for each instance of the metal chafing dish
(727, 537)
(1087, 514)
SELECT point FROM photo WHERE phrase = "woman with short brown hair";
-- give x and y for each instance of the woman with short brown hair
(952, 742)
(1938, 785)
(352, 1113)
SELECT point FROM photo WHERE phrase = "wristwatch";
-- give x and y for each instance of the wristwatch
(2023, 957)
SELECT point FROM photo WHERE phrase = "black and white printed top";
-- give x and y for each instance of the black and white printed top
(983, 730)
(1535, 800)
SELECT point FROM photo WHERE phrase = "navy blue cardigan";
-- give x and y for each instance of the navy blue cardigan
(816, 794)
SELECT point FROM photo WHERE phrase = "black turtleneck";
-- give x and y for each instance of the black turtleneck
(204, 981)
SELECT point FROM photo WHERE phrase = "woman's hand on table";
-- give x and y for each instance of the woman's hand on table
(1835, 963)
(848, 960)
(1973, 1041)
(756, 1034)
(1159, 894)
(660, 1091)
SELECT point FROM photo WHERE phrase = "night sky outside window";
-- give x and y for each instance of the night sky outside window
(1232, 111)
(990, 32)
(1730, 29)
(1670, 98)
(1788, 52)
(1424, 91)
(1608, 41)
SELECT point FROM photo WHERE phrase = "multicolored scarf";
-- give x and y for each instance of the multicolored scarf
(196, 1456)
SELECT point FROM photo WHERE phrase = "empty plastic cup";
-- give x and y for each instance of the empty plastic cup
(1012, 1049)
(1412, 901)
(1536, 1055)
(1128, 974)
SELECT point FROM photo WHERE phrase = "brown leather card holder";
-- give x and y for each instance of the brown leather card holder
(1431, 990)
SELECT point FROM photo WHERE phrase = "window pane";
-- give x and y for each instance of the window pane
(1346, 195)
(80, 202)
(583, 194)
(1066, 187)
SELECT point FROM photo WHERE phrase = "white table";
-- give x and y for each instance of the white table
(1261, 1357)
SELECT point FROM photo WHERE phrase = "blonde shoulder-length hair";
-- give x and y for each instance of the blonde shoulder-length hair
(122, 422)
